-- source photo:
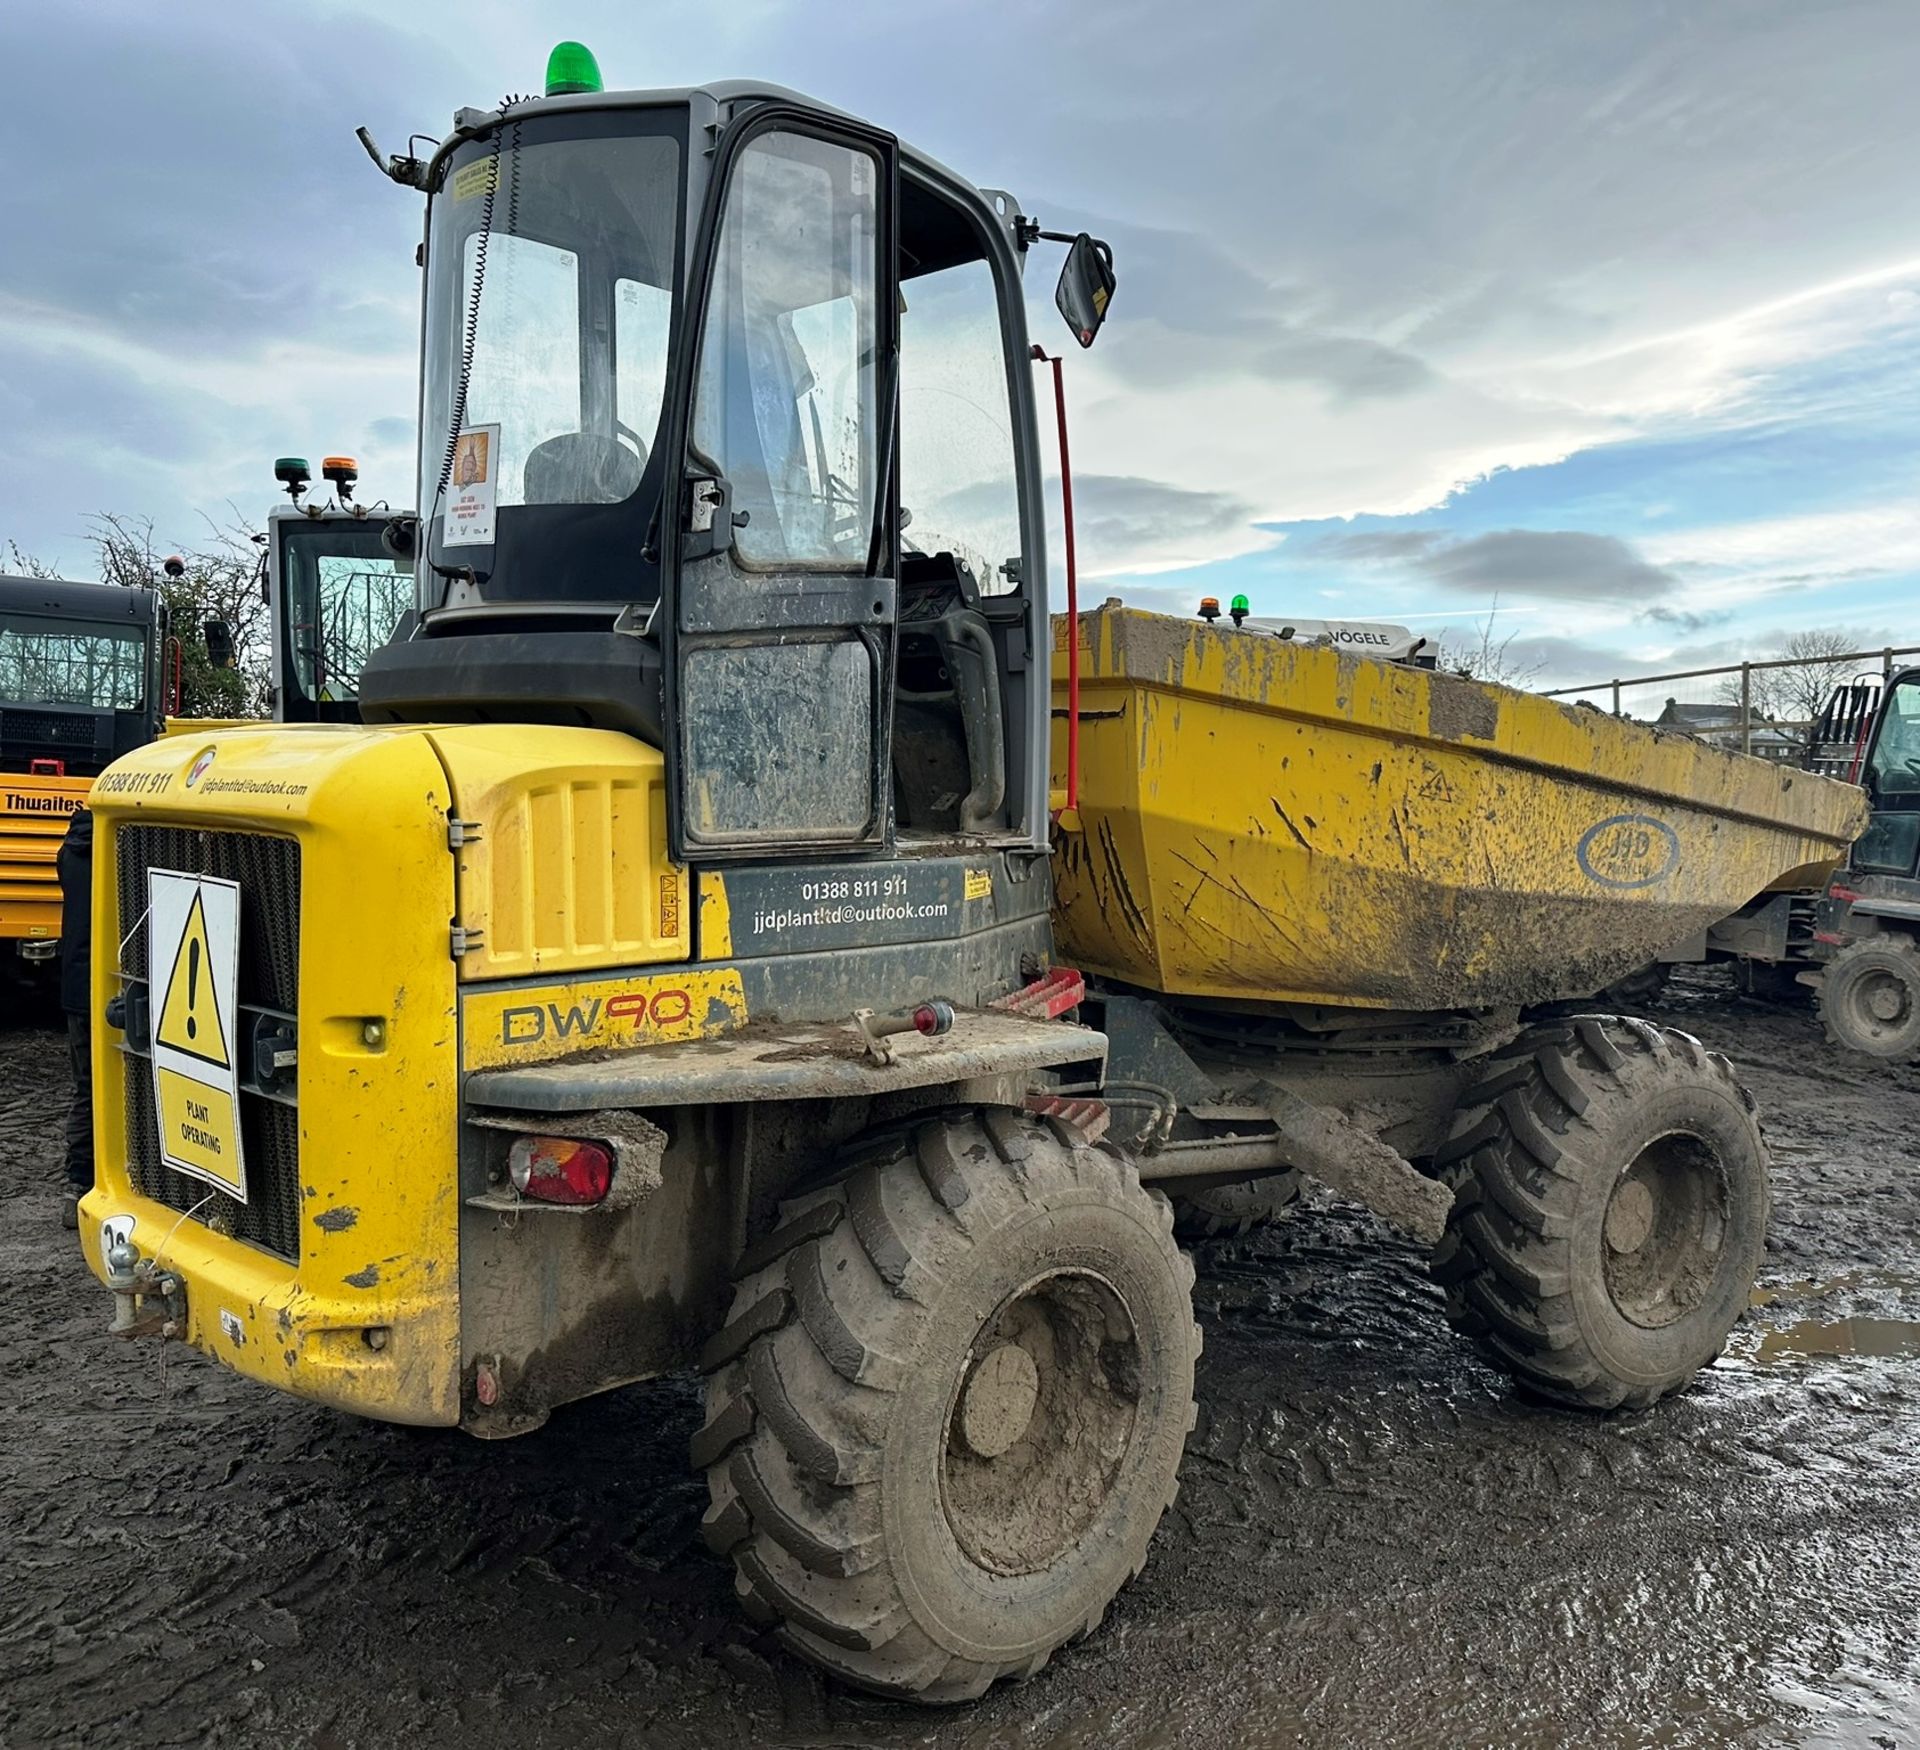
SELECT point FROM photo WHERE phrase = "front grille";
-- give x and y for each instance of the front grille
(45, 730)
(268, 871)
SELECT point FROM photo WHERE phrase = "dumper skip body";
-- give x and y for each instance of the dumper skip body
(1266, 822)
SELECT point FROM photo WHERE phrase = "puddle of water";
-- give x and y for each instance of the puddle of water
(1808, 1289)
(1832, 1337)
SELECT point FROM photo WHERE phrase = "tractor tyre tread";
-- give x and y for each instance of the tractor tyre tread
(1897, 954)
(1528, 1150)
(795, 1499)
(1227, 1211)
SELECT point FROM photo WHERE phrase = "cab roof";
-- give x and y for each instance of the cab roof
(723, 97)
(75, 601)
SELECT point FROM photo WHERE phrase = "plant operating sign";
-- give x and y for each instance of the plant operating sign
(193, 970)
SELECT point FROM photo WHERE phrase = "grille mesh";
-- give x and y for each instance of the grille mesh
(44, 730)
(268, 871)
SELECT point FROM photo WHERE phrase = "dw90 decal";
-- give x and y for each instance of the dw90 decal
(549, 1021)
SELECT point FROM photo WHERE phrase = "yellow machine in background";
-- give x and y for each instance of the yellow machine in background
(35, 807)
(79, 685)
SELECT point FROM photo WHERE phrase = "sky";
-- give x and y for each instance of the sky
(1600, 319)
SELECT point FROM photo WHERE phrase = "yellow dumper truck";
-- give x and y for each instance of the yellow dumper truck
(679, 966)
(79, 685)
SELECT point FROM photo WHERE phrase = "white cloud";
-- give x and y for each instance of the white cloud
(1366, 254)
(1727, 565)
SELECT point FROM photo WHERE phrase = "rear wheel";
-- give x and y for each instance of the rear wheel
(1610, 1209)
(1870, 997)
(948, 1407)
(1224, 1210)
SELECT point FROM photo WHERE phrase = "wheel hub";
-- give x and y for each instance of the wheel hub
(1630, 1216)
(1886, 999)
(1664, 1228)
(1040, 1423)
(997, 1402)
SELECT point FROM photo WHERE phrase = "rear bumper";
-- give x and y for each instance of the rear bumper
(347, 1290)
(377, 1354)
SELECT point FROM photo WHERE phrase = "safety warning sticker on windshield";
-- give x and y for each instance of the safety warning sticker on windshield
(193, 973)
(473, 488)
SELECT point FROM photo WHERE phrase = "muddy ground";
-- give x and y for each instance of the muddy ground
(1376, 1541)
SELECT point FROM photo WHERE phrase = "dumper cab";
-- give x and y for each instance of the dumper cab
(740, 462)
(337, 590)
(719, 705)
(79, 686)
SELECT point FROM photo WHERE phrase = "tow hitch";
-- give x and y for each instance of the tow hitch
(147, 1301)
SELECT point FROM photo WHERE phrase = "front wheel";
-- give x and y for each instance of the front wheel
(1609, 1213)
(948, 1407)
(1870, 997)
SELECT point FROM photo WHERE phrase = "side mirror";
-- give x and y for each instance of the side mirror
(1086, 287)
(399, 538)
(219, 643)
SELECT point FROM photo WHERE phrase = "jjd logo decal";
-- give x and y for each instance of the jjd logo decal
(1629, 850)
(198, 769)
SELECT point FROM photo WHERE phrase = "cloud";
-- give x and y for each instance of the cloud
(1682, 619)
(1366, 255)
(1530, 564)
(1391, 546)
(1194, 312)
(1130, 527)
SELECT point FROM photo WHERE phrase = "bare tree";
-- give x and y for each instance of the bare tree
(1795, 693)
(1486, 656)
(221, 581)
(21, 563)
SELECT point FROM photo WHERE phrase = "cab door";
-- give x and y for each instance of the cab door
(1891, 776)
(778, 615)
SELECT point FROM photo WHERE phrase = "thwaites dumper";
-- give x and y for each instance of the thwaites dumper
(79, 685)
(665, 973)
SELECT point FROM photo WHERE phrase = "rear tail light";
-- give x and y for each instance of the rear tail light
(559, 1169)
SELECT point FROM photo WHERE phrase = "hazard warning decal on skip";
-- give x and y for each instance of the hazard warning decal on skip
(193, 974)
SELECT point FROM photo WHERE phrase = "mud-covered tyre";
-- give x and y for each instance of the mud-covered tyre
(947, 1408)
(1222, 1211)
(1610, 1209)
(1870, 997)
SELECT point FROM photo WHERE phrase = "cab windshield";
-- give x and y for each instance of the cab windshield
(1891, 843)
(553, 251)
(49, 661)
(343, 596)
(1895, 766)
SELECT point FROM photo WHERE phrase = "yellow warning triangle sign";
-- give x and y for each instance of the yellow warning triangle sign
(190, 1012)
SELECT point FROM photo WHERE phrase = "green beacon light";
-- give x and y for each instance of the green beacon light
(1240, 609)
(570, 68)
(293, 473)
